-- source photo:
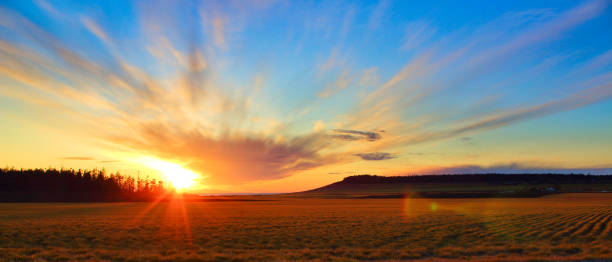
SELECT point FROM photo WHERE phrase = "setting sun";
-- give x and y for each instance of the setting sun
(176, 176)
(312, 130)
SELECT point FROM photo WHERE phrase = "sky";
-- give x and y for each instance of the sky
(282, 96)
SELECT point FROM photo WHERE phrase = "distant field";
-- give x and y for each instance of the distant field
(556, 227)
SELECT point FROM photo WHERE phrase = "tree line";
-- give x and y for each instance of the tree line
(61, 185)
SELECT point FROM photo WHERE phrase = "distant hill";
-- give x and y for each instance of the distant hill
(468, 185)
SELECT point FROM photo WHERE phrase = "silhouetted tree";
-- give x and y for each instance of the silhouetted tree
(75, 185)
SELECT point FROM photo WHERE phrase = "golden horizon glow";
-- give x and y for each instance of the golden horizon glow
(176, 176)
(288, 97)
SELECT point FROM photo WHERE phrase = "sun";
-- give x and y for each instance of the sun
(176, 176)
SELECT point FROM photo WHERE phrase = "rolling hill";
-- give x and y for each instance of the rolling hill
(468, 185)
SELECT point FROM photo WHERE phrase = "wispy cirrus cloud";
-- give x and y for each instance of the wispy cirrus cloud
(579, 99)
(191, 88)
(378, 13)
(514, 168)
(231, 157)
(95, 29)
(350, 135)
(417, 33)
(437, 76)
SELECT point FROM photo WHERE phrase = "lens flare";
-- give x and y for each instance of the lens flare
(433, 206)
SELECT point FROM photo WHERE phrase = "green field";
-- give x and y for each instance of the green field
(556, 227)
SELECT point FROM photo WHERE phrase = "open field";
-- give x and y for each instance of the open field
(556, 227)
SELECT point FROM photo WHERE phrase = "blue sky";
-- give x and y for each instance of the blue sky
(280, 96)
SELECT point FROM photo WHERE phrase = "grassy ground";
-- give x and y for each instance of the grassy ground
(559, 227)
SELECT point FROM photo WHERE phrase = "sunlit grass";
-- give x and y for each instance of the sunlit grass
(550, 228)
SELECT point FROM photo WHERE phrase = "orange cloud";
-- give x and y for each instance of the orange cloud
(190, 113)
(232, 157)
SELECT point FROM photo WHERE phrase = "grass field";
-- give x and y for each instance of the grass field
(557, 227)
